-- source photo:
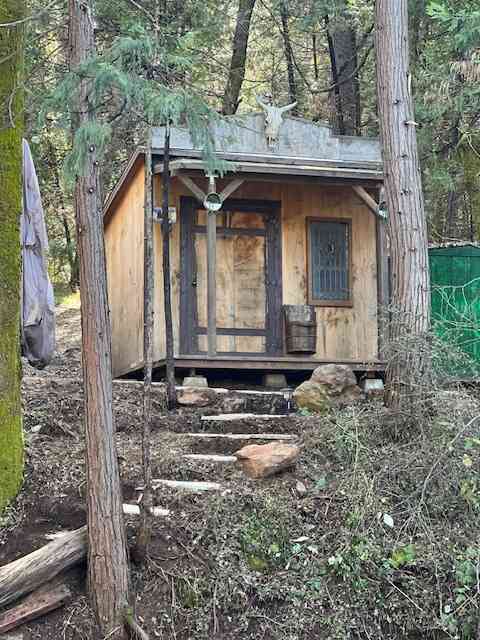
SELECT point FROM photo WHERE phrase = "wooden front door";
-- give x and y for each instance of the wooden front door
(249, 281)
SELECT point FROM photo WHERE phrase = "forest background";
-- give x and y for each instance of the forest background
(223, 53)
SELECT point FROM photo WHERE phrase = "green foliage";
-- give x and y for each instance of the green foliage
(265, 543)
(402, 556)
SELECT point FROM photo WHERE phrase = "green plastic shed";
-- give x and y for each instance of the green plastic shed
(455, 281)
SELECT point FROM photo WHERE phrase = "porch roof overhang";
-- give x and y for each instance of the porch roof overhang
(258, 170)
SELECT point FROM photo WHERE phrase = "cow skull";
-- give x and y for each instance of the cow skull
(273, 119)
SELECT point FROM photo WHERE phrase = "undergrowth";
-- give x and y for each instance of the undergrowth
(383, 545)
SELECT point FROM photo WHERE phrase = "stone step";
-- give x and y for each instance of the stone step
(209, 457)
(234, 417)
(244, 436)
(188, 485)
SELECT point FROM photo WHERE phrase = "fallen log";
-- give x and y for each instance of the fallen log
(28, 573)
(38, 603)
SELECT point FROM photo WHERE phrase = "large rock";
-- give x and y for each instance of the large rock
(263, 460)
(330, 385)
(312, 396)
(196, 396)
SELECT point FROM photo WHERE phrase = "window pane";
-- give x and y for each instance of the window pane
(329, 260)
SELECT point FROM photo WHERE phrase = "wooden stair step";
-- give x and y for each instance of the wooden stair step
(134, 510)
(232, 417)
(189, 485)
(209, 457)
(244, 436)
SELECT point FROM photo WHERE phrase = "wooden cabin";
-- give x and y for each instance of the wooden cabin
(298, 232)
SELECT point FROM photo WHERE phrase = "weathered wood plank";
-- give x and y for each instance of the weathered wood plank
(212, 283)
(184, 484)
(233, 417)
(38, 603)
(206, 457)
(243, 436)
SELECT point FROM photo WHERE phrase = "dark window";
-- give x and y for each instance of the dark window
(329, 262)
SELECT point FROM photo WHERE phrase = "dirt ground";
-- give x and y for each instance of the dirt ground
(52, 498)
(375, 526)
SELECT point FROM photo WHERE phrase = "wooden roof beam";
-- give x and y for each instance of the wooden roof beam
(367, 199)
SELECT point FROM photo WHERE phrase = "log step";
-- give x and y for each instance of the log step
(244, 436)
(233, 417)
(189, 485)
(134, 510)
(209, 457)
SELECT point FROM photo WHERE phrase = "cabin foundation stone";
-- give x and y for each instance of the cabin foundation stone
(274, 381)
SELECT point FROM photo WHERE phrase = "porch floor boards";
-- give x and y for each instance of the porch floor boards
(267, 363)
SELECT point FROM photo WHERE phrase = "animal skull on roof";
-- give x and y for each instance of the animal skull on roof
(273, 118)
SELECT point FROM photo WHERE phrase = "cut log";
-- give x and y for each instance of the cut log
(209, 457)
(231, 417)
(38, 603)
(184, 484)
(28, 573)
(244, 436)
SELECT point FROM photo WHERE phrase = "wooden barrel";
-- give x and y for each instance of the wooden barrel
(300, 328)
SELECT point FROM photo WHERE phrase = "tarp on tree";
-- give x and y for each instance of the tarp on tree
(38, 307)
(455, 281)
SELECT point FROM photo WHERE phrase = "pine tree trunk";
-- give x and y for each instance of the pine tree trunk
(287, 46)
(108, 579)
(404, 198)
(346, 104)
(145, 530)
(167, 290)
(11, 131)
(239, 55)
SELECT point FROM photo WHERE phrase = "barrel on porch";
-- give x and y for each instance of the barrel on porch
(300, 328)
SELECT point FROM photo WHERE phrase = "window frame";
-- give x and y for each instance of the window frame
(330, 302)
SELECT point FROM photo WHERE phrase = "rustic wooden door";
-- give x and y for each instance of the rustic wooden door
(249, 281)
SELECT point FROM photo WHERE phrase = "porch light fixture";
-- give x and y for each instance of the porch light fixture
(213, 201)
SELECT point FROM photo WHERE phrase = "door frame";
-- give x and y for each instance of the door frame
(189, 331)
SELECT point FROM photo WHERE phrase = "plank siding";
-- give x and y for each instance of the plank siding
(124, 258)
(342, 333)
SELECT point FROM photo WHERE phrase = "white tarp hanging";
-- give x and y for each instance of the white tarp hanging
(38, 306)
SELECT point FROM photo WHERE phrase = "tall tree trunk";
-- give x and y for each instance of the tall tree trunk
(11, 131)
(167, 293)
(404, 198)
(287, 46)
(108, 578)
(239, 54)
(342, 47)
(72, 255)
(145, 532)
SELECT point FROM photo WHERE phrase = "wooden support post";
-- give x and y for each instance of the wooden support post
(383, 283)
(212, 283)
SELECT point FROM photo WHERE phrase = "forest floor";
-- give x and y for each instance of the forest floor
(374, 534)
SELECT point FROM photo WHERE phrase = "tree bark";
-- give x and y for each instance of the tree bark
(11, 131)
(108, 577)
(346, 104)
(167, 293)
(239, 54)
(404, 198)
(287, 46)
(145, 531)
